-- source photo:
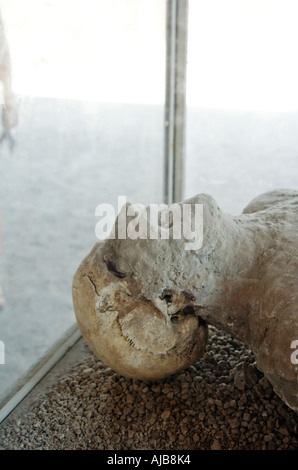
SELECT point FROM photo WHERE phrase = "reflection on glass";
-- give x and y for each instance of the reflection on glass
(242, 114)
(89, 79)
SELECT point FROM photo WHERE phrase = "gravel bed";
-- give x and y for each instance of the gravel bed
(223, 402)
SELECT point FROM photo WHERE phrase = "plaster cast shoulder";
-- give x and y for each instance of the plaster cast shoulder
(271, 198)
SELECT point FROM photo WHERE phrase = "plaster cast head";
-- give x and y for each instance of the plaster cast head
(138, 311)
(139, 338)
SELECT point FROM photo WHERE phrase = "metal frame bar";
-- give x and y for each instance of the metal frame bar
(176, 60)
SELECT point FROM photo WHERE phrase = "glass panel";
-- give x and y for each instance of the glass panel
(242, 99)
(89, 81)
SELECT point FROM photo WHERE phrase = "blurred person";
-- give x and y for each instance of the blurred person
(9, 109)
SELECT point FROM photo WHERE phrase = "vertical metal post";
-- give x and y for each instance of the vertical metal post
(177, 15)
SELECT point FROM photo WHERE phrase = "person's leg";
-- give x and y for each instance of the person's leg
(1, 290)
(9, 108)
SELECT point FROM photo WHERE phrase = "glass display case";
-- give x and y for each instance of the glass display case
(89, 82)
(154, 100)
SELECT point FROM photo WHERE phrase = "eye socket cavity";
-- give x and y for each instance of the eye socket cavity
(113, 269)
